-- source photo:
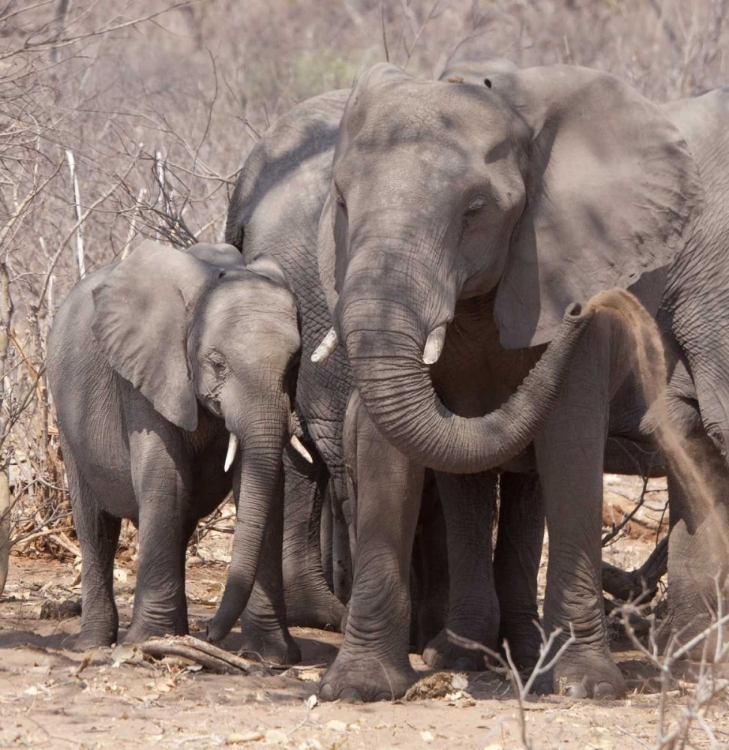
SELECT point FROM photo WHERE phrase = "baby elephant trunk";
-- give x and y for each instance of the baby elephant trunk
(259, 487)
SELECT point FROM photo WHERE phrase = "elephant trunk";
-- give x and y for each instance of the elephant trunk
(259, 487)
(386, 341)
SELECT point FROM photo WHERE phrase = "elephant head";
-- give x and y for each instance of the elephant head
(541, 187)
(198, 329)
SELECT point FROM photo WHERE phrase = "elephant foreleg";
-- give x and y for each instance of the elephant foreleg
(162, 485)
(373, 663)
(570, 451)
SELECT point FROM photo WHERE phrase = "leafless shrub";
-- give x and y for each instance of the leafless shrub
(710, 676)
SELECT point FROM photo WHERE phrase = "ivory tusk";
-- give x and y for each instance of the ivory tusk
(434, 345)
(298, 446)
(325, 350)
(232, 450)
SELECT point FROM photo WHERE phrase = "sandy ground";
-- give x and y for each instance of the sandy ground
(53, 697)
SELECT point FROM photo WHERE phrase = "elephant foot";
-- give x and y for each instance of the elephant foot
(444, 652)
(583, 676)
(524, 642)
(364, 677)
(99, 627)
(274, 645)
(307, 608)
(679, 627)
(430, 621)
(142, 629)
(92, 638)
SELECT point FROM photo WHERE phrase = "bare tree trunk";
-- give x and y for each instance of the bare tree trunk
(5, 504)
(6, 311)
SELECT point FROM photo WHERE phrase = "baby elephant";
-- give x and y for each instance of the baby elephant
(160, 366)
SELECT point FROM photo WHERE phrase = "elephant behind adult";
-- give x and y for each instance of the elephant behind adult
(274, 210)
(158, 365)
(503, 202)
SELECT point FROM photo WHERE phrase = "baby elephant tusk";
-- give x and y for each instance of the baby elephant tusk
(434, 345)
(325, 350)
(232, 450)
(298, 446)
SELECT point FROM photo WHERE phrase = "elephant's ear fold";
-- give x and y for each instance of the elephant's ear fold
(333, 230)
(612, 192)
(141, 315)
(224, 256)
(329, 225)
(377, 75)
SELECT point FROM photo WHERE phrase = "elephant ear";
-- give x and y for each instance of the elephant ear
(141, 315)
(611, 195)
(332, 226)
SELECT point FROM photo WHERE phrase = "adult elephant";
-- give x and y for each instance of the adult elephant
(275, 210)
(467, 216)
(161, 365)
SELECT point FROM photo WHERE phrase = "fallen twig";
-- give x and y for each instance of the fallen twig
(210, 657)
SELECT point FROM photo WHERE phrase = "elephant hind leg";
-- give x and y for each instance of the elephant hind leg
(473, 610)
(429, 571)
(698, 547)
(98, 536)
(309, 600)
(516, 565)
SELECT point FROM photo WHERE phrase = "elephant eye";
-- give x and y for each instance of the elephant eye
(475, 206)
(218, 363)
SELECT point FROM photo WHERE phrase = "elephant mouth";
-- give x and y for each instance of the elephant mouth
(294, 441)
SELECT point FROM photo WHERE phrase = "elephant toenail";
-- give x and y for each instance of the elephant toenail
(350, 695)
(604, 691)
(577, 691)
(543, 687)
(326, 693)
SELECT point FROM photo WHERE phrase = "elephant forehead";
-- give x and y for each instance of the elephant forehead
(400, 113)
(255, 300)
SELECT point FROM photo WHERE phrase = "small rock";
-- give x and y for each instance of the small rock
(60, 610)
(238, 738)
(336, 725)
(276, 737)
(126, 654)
(194, 561)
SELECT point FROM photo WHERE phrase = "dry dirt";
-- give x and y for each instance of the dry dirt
(53, 697)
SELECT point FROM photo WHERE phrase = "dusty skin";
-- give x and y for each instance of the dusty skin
(53, 697)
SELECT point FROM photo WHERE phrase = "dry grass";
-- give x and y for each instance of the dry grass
(156, 105)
